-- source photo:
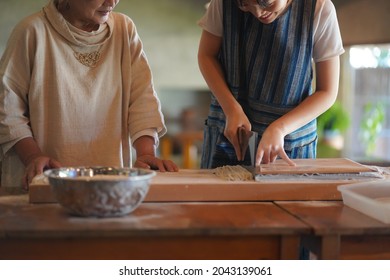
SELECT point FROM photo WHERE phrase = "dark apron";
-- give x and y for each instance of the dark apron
(268, 68)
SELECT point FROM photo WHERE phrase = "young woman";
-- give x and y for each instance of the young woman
(256, 57)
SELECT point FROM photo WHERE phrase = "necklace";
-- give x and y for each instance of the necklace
(88, 59)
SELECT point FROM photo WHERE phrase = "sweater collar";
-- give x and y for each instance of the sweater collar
(74, 35)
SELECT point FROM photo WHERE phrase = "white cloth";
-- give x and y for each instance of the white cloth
(326, 31)
(77, 114)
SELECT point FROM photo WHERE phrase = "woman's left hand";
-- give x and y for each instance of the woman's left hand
(152, 162)
(271, 146)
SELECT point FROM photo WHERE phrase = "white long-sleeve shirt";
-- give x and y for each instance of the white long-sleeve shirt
(77, 114)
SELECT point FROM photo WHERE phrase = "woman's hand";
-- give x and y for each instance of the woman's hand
(33, 159)
(271, 146)
(152, 162)
(234, 120)
(145, 149)
(36, 166)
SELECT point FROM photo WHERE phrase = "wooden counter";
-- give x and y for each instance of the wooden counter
(340, 232)
(153, 231)
(249, 228)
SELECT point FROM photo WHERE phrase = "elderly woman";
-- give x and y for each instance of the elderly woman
(76, 89)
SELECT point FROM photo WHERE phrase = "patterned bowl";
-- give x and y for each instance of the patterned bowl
(99, 191)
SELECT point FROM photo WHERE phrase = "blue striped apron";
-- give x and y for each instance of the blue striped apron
(268, 68)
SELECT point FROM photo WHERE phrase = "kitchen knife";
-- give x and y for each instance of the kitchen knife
(247, 140)
(243, 140)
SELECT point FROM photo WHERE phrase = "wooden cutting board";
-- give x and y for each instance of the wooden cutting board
(312, 166)
(203, 185)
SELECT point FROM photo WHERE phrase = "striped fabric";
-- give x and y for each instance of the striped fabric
(268, 68)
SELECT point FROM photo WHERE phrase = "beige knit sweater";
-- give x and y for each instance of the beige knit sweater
(78, 115)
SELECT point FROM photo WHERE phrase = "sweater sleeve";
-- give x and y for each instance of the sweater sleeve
(15, 74)
(144, 108)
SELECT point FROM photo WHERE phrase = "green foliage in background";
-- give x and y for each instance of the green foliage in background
(371, 125)
(335, 119)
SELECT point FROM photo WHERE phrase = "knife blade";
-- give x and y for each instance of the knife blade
(247, 140)
(243, 140)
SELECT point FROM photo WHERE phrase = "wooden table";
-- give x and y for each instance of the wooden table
(340, 232)
(253, 230)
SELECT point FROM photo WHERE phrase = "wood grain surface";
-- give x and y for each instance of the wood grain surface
(340, 232)
(152, 231)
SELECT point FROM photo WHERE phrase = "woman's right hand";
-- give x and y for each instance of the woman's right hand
(33, 159)
(36, 166)
(234, 120)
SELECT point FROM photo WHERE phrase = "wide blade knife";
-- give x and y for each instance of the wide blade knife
(243, 139)
(247, 140)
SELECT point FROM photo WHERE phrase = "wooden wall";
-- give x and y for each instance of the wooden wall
(364, 21)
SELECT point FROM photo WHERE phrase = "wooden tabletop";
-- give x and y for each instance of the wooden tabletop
(330, 217)
(340, 232)
(178, 230)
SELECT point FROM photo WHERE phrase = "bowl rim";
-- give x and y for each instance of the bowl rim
(148, 174)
